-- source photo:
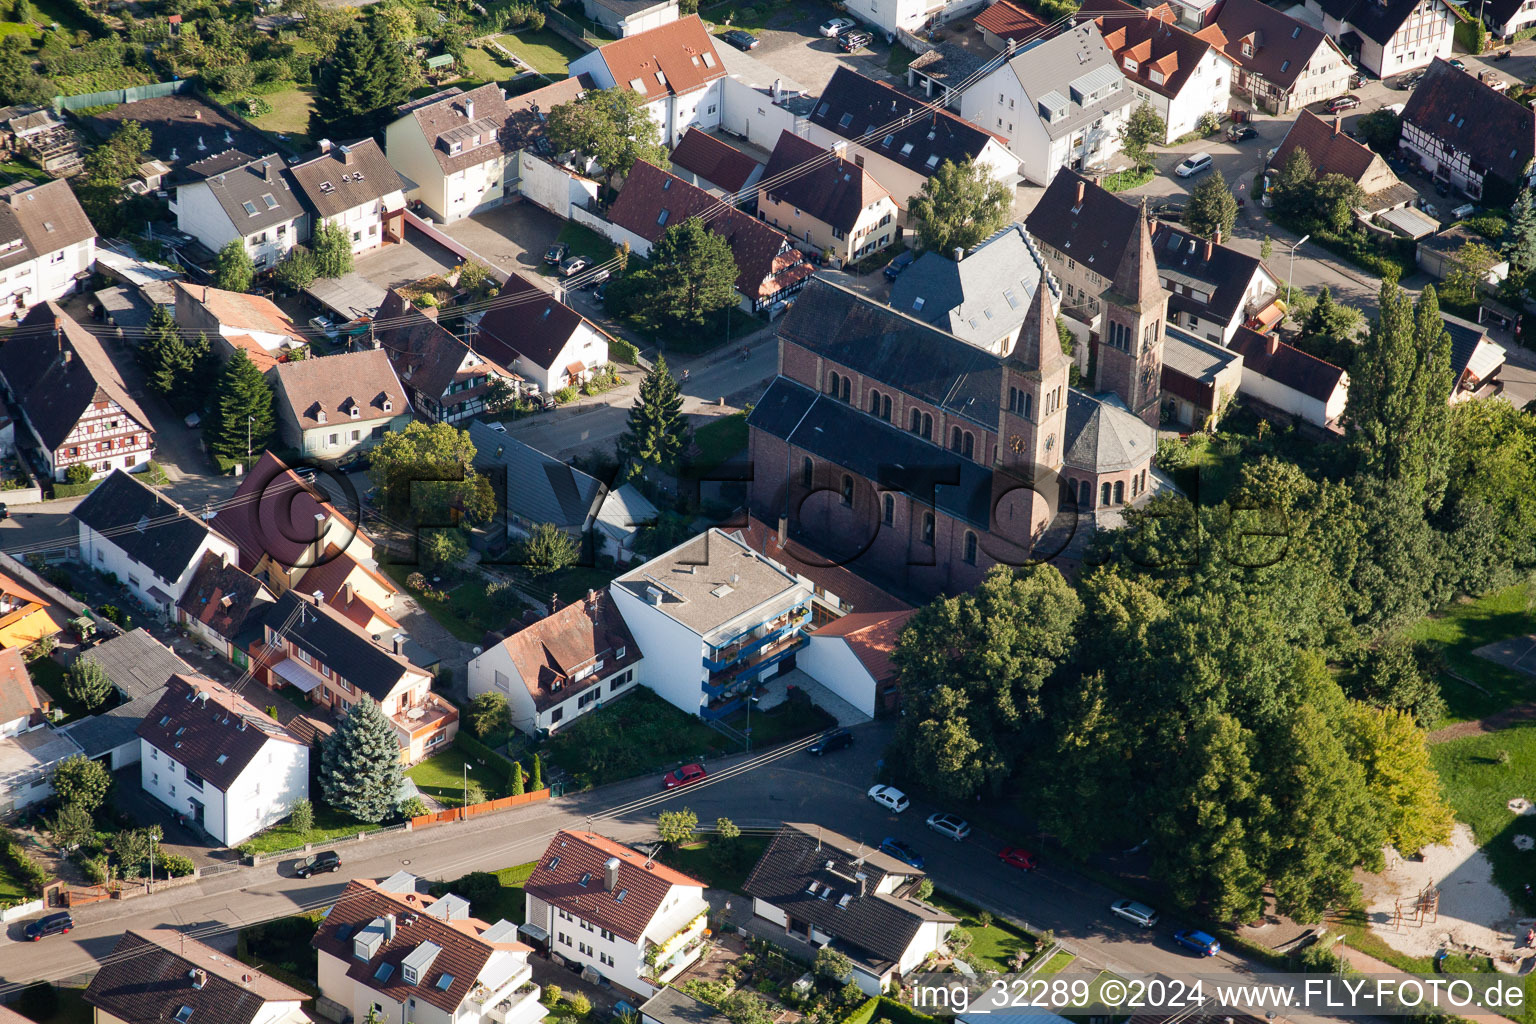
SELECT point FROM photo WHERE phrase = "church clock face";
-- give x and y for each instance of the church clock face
(1016, 442)
(1147, 376)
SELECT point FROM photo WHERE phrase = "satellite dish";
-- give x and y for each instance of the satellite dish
(476, 651)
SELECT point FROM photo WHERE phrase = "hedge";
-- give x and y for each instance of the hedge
(74, 490)
(472, 748)
(623, 350)
(32, 874)
(900, 1013)
(864, 1014)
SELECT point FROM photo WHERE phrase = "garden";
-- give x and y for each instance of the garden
(1477, 687)
(493, 895)
(641, 733)
(466, 603)
(282, 950)
(326, 825)
(451, 775)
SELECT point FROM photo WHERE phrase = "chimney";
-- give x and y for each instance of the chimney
(959, 253)
(1218, 236)
(1338, 124)
(389, 928)
(783, 530)
(469, 109)
(1210, 247)
(400, 644)
(199, 977)
(267, 172)
(591, 597)
(347, 156)
(346, 594)
(1272, 342)
(611, 874)
(197, 115)
(325, 145)
(1082, 190)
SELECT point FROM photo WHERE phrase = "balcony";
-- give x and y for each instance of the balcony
(430, 713)
(758, 636)
(519, 1006)
(742, 671)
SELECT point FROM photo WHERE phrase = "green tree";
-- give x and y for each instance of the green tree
(332, 248)
(87, 684)
(726, 829)
(1393, 752)
(108, 169)
(488, 713)
(1519, 245)
(163, 354)
(233, 270)
(1329, 330)
(692, 274)
(676, 827)
(831, 965)
(538, 773)
(79, 473)
(657, 432)
(360, 82)
(296, 271)
(960, 205)
(1292, 189)
(71, 826)
(19, 82)
(548, 549)
(1141, 129)
(515, 783)
(1381, 129)
(360, 764)
(1334, 198)
(443, 549)
(79, 780)
(612, 126)
(428, 473)
(241, 422)
(1212, 208)
(1469, 272)
(301, 816)
(1395, 675)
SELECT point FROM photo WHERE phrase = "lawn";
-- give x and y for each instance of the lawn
(900, 57)
(62, 12)
(1131, 178)
(467, 611)
(638, 735)
(291, 108)
(1480, 775)
(329, 825)
(786, 722)
(507, 905)
(484, 66)
(73, 1009)
(102, 81)
(583, 242)
(1462, 627)
(49, 674)
(544, 51)
(991, 947)
(441, 777)
(11, 889)
(718, 441)
(13, 171)
(700, 862)
(569, 584)
(1058, 962)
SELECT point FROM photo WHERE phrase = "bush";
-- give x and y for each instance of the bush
(413, 807)
(477, 887)
(624, 351)
(175, 865)
(565, 394)
(551, 995)
(580, 1005)
(1172, 454)
(40, 1001)
(95, 870)
(301, 818)
(474, 793)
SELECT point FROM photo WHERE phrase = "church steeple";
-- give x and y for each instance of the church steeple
(1039, 346)
(1129, 361)
(1136, 284)
(1034, 400)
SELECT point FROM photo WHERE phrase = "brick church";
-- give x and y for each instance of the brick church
(920, 458)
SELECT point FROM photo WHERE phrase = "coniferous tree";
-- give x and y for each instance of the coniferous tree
(1520, 239)
(1212, 208)
(360, 764)
(692, 274)
(240, 420)
(167, 363)
(657, 430)
(361, 82)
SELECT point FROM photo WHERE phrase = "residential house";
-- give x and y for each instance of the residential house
(234, 197)
(835, 589)
(1439, 255)
(829, 202)
(535, 170)
(29, 746)
(71, 399)
(1213, 289)
(1007, 26)
(908, 15)
(944, 72)
(620, 518)
(1331, 151)
(25, 615)
(450, 145)
(1469, 136)
(615, 910)
(385, 948)
(183, 130)
(538, 338)
(827, 889)
(565, 665)
(1060, 104)
(152, 545)
(533, 488)
(352, 186)
(981, 295)
(852, 658)
(630, 17)
(212, 755)
(1506, 18)
(1180, 75)
(1200, 379)
(139, 667)
(337, 407)
(673, 67)
(1476, 359)
(237, 321)
(672, 1006)
(162, 974)
(713, 165)
(768, 268)
(1081, 230)
(224, 607)
(47, 245)
(1280, 63)
(1388, 37)
(445, 379)
(899, 140)
(333, 661)
(715, 619)
(1291, 381)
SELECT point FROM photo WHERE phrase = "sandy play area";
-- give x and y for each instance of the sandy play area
(1473, 912)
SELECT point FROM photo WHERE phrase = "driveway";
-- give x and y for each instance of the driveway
(790, 42)
(513, 236)
(415, 258)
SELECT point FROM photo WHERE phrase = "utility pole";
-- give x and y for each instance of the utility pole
(1291, 273)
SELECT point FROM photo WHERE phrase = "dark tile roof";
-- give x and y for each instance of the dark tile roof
(338, 644)
(18, 698)
(1150, 37)
(184, 126)
(980, 298)
(855, 911)
(1466, 116)
(548, 653)
(39, 219)
(1226, 271)
(670, 1006)
(536, 325)
(1377, 20)
(325, 390)
(445, 121)
(271, 514)
(1281, 45)
(717, 163)
(1091, 230)
(209, 729)
(149, 528)
(1465, 337)
(675, 58)
(527, 114)
(57, 371)
(223, 597)
(854, 106)
(825, 574)
(1102, 436)
(829, 188)
(1286, 365)
(573, 855)
(137, 663)
(534, 486)
(1009, 21)
(346, 175)
(1499, 12)
(256, 194)
(429, 358)
(148, 977)
(893, 458)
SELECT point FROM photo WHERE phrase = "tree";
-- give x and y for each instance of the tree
(1329, 330)
(515, 784)
(657, 431)
(692, 274)
(442, 549)
(71, 826)
(108, 168)
(428, 473)
(241, 421)
(233, 270)
(1400, 780)
(19, 83)
(959, 206)
(676, 827)
(164, 355)
(360, 763)
(1141, 129)
(296, 271)
(301, 816)
(488, 713)
(332, 248)
(924, 889)
(1334, 198)
(1381, 130)
(726, 829)
(86, 683)
(1520, 239)
(360, 83)
(79, 780)
(612, 126)
(548, 549)
(538, 773)
(831, 965)
(1212, 208)
(78, 474)
(1292, 190)
(1468, 277)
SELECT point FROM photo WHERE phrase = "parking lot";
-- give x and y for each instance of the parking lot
(791, 43)
(513, 236)
(415, 258)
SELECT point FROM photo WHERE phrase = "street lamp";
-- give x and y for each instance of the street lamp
(151, 887)
(248, 421)
(1291, 273)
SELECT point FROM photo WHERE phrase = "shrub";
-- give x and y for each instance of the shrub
(95, 870)
(111, 613)
(302, 817)
(474, 793)
(565, 394)
(175, 865)
(1172, 454)
(477, 886)
(580, 1005)
(551, 995)
(413, 807)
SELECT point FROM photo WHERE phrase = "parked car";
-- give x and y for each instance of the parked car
(354, 461)
(1197, 942)
(1457, 63)
(890, 798)
(573, 265)
(318, 863)
(324, 326)
(1018, 857)
(1193, 165)
(741, 39)
(598, 278)
(687, 775)
(5, 512)
(1136, 913)
(850, 41)
(600, 293)
(903, 260)
(1342, 103)
(1169, 210)
(951, 825)
(555, 253)
(1241, 133)
(1463, 211)
(837, 739)
(1407, 81)
(834, 28)
(54, 924)
(902, 852)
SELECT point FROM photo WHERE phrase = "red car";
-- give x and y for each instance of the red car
(1018, 857)
(684, 776)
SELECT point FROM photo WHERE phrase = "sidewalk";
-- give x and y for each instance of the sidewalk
(1367, 964)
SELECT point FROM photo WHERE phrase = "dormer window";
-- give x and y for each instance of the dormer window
(1131, 64)
(1247, 48)
(1157, 77)
(637, 84)
(389, 406)
(320, 416)
(455, 147)
(356, 412)
(661, 78)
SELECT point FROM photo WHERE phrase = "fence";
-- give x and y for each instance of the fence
(113, 97)
(255, 859)
(506, 803)
(568, 28)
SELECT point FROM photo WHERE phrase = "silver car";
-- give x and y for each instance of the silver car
(890, 798)
(951, 826)
(1137, 913)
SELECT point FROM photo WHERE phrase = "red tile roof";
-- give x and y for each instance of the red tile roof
(270, 514)
(18, 698)
(326, 391)
(1330, 150)
(240, 311)
(1010, 22)
(871, 636)
(209, 728)
(1280, 46)
(572, 856)
(675, 58)
(713, 160)
(1152, 39)
(549, 653)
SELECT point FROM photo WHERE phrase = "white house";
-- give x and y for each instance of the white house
(151, 544)
(236, 197)
(568, 663)
(630, 17)
(1060, 103)
(1290, 380)
(162, 974)
(539, 338)
(852, 657)
(452, 145)
(337, 406)
(674, 67)
(605, 906)
(388, 949)
(29, 748)
(1388, 37)
(1506, 17)
(715, 618)
(212, 755)
(890, 15)
(623, 512)
(827, 889)
(533, 488)
(352, 186)
(47, 244)
(235, 320)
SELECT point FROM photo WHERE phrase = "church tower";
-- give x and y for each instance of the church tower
(1032, 431)
(1130, 356)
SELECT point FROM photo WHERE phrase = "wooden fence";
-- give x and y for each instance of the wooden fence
(506, 803)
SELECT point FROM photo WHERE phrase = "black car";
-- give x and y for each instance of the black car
(850, 41)
(902, 261)
(1168, 210)
(5, 513)
(318, 863)
(555, 253)
(54, 924)
(1240, 132)
(741, 39)
(837, 739)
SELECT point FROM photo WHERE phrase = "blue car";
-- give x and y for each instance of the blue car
(1197, 942)
(901, 851)
(902, 261)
